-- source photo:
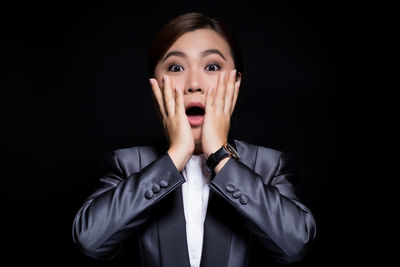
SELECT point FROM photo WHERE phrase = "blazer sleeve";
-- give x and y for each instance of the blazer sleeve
(112, 213)
(269, 205)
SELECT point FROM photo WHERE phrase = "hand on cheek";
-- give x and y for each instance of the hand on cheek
(176, 125)
(220, 104)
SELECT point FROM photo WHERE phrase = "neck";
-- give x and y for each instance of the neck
(197, 149)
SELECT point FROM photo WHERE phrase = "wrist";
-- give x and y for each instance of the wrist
(179, 158)
(217, 160)
(221, 164)
(214, 148)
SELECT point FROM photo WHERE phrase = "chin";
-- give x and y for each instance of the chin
(196, 132)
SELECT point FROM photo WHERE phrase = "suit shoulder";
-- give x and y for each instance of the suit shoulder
(128, 152)
(130, 159)
(263, 160)
(259, 149)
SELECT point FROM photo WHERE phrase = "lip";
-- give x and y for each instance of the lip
(195, 104)
(198, 119)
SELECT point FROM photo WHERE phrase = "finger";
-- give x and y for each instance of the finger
(229, 93)
(157, 97)
(235, 95)
(179, 104)
(168, 97)
(219, 97)
(210, 98)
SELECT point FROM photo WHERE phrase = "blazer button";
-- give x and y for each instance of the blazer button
(155, 188)
(243, 200)
(230, 188)
(237, 194)
(163, 183)
(148, 194)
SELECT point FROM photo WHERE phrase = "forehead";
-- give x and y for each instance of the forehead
(194, 42)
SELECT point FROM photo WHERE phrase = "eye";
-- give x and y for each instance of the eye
(175, 68)
(213, 67)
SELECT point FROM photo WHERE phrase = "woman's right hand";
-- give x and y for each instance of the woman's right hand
(176, 125)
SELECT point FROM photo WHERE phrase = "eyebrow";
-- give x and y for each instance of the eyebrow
(203, 54)
(174, 53)
(212, 51)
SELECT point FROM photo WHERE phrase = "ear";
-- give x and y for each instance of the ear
(238, 76)
(238, 79)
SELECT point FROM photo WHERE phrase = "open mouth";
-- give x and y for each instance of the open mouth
(195, 113)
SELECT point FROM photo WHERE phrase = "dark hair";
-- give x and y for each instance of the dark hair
(187, 22)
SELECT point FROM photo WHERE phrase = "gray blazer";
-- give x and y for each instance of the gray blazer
(138, 215)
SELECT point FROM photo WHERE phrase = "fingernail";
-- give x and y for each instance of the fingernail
(233, 73)
(223, 76)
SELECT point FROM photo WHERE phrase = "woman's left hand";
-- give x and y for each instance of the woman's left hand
(220, 104)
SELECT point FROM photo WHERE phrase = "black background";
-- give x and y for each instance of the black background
(75, 85)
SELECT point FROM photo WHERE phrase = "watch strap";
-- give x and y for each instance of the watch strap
(226, 150)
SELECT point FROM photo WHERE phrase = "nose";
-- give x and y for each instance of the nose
(190, 90)
(193, 83)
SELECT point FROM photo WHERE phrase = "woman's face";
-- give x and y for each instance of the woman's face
(193, 64)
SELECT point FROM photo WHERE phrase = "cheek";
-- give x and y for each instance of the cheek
(212, 80)
(177, 81)
(158, 75)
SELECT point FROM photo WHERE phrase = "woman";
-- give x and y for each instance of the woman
(201, 199)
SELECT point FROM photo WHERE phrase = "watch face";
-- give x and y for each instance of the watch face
(233, 152)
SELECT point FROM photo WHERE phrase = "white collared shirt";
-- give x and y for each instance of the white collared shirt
(195, 192)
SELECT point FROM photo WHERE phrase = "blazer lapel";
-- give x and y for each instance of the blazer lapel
(172, 232)
(171, 224)
(217, 235)
(219, 223)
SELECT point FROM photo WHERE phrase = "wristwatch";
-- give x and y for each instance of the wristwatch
(225, 151)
